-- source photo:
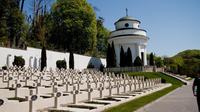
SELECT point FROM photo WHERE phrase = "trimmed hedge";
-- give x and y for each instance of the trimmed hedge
(18, 61)
(61, 64)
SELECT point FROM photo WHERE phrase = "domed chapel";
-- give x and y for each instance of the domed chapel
(127, 34)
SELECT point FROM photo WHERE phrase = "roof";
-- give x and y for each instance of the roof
(127, 18)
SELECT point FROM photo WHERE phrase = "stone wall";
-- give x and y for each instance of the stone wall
(32, 58)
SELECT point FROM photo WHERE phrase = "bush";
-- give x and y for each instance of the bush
(90, 65)
(138, 61)
(4, 67)
(18, 61)
(61, 64)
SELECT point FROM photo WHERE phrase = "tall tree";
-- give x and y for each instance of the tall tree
(138, 61)
(43, 58)
(102, 37)
(108, 54)
(122, 57)
(71, 60)
(12, 21)
(74, 24)
(129, 58)
(151, 60)
(113, 56)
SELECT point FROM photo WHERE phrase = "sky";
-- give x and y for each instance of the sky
(171, 25)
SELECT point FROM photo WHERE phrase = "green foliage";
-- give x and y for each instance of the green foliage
(151, 59)
(11, 23)
(133, 105)
(128, 58)
(90, 65)
(43, 58)
(185, 63)
(71, 60)
(61, 64)
(159, 62)
(108, 56)
(122, 57)
(74, 26)
(102, 37)
(18, 61)
(138, 61)
(112, 57)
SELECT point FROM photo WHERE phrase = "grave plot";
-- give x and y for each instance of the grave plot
(29, 90)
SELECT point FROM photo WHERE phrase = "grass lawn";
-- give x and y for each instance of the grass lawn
(137, 103)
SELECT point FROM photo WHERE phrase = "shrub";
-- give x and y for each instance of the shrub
(90, 65)
(61, 64)
(4, 67)
(18, 61)
(138, 61)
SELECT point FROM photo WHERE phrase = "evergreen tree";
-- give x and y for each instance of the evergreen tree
(71, 60)
(43, 58)
(113, 56)
(122, 57)
(151, 60)
(108, 56)
(129, 58)
(138, 61)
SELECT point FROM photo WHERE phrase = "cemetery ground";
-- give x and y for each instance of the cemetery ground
(140, 102)
(31, 90)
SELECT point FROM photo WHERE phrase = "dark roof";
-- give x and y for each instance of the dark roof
(127, 18)
(129, 35)
(129, 29)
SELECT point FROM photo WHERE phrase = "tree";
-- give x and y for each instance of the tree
(112, 56)
(102, 37)
(129, 58)
(151, 61)
(12, 21)
(138, 61)
(122, 57)
(43, 58)
(108, 56)
(74, 24)
(71, 60)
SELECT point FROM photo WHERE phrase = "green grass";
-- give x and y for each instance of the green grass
(137, 103)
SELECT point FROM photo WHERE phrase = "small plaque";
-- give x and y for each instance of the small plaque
(10, 78)
(18, 85)
(34, 97)
(38, 84)
(58, 94)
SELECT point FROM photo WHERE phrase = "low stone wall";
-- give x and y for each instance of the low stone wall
(130, 69)
(32, 58)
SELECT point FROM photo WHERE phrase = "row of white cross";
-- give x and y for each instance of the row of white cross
(16, 78)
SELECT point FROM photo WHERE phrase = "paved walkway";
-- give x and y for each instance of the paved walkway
(180, 100)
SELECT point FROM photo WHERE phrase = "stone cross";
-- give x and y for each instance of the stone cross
(74, 92)
(89, 90)
(31, 98)
(56, 95)
(101, 88)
